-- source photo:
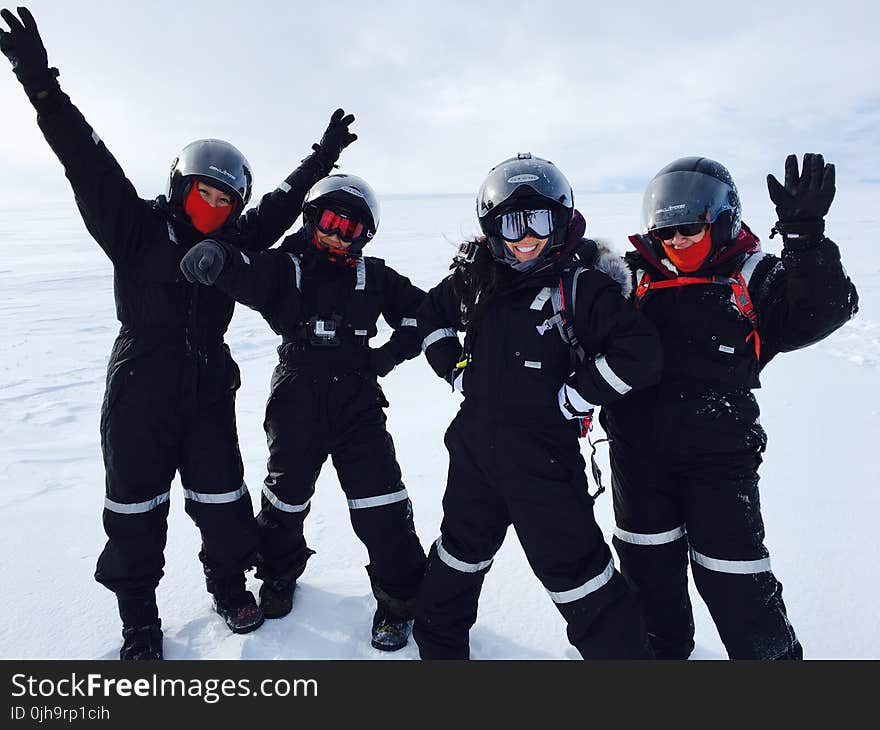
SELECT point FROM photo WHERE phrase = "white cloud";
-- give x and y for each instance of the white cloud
(443, 92)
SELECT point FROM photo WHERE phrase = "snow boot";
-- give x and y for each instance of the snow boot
(141, 643)
(241, 613)
(237, 606)
(276, 597)
(390, 632)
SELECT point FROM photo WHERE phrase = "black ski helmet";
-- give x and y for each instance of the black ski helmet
(693, 189)
(521, 183)
(219, 164)
(348, 194)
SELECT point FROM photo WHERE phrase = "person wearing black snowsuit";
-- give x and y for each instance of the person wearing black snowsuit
(514, 453)
(325, 398)
(685, 453)
(169, 403)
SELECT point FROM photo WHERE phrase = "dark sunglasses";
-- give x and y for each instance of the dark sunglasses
(515, 225)
(667, 233)
(330, 222)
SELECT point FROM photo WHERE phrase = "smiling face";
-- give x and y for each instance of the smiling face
(333, 241)
(527, 249)
(681, 243)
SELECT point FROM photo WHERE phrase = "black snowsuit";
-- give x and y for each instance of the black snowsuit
(325, 399)
(514, 458)
(169, 403)
(685, 453)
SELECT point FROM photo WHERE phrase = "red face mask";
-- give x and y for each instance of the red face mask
(204, 217)
(690, 258)
(336, 255)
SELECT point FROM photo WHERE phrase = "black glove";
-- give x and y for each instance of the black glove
(336, 138)
(24, 48)
(382, 360)
(805, 199)
(203, 262)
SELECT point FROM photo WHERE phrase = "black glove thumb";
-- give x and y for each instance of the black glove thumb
(776, 190)
(203, 262)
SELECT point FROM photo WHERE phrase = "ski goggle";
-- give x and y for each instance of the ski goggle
(667, 233)
(515, 225)
(330, 222)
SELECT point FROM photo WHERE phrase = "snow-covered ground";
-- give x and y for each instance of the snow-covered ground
(821, 408)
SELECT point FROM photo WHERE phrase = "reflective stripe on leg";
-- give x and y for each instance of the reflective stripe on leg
(739, 567)
(136, 507)
(283, 506)
(457, 564)
(380, 501)
(645, 538)
(591, 586)
(222, 498)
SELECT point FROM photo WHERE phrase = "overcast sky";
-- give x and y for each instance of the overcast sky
(444, 90)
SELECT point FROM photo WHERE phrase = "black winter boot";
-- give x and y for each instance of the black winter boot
(276, 597)
(241, 613)
(237, 606)
(390, 632)
(141, 643)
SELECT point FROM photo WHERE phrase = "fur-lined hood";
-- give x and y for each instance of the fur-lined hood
(615, 266)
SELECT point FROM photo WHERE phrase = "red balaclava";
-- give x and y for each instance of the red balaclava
(693, 257)
(204, 217)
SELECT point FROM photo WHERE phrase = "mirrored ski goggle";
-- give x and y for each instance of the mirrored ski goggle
(667, 233)
(330, 222)
(515, 225)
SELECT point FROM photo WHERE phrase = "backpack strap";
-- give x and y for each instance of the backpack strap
(641, 288)
(564, 299)
(744, 304)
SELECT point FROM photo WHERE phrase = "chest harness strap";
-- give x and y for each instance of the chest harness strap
(737, 283)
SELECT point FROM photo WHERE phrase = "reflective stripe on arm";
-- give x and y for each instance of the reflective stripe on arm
(438, 335)
(610, 376)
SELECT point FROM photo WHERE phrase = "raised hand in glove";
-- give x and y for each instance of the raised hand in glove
(24, 48)
(336, 137)
(203, 262)
(804, 200)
